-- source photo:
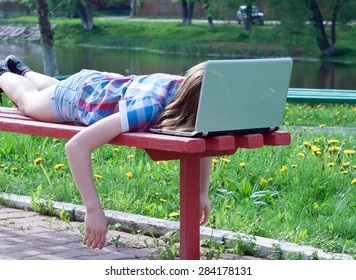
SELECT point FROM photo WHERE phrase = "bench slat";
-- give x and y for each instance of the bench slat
(136, 139)
(321, 95)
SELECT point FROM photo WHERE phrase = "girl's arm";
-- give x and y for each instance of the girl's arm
(205, 169)
(78, 151)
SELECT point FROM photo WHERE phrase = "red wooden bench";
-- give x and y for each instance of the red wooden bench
(161, 147)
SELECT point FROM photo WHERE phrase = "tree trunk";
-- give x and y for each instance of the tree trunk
(248, 19)
(85, 12)
(187, 12)
(47, 40)
(132, 8)
(209, 14)
(333, 24)
(317, 20)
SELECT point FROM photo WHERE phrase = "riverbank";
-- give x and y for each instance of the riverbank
(169, 36)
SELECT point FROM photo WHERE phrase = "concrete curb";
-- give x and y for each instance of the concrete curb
(317, 129)
(264, 247)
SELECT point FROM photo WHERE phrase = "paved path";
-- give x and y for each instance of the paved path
(26, 235)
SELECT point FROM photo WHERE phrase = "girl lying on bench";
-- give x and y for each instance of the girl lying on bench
(109, 104)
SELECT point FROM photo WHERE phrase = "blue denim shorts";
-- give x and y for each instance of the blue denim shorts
(64, 103)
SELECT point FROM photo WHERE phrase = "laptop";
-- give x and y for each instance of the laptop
(240, 97)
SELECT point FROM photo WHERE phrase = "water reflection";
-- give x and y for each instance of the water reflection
(73, 59)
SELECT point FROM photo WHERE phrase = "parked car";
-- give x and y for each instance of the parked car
(257, 15)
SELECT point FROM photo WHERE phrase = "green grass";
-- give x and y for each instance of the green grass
(303, 193)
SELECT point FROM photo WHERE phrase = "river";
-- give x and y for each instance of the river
(305, 74)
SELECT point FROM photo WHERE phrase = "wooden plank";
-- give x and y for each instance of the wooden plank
(278, 138)
(321, 95)
(137, 139)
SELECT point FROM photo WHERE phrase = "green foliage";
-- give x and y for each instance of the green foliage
(227, 40)
(44, 207)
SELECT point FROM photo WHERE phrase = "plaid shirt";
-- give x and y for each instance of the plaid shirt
(139, 99)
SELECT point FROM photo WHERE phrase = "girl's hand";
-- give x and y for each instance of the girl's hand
(95, 228)
(204, 209)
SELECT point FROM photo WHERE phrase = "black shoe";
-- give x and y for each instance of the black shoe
(3, 69)
(15, 65)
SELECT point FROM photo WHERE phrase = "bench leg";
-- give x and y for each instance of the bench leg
(189, 209)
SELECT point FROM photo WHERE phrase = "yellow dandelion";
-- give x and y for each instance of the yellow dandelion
(354, 166)
(346, 164)
(283, 169)
(58, 166)
(344, 172)
(334, 149)
(353, 181)
(263, 181)
(242, 164)
(174, 214)
(116, 150)
(301, 154)
(349, 152)
(227, 206)
(37, 160)
(2, 165)
(315, 149)
(331, 164)
(215, 161)
(98, 176)
(333, 141)
(14, 169)
(316, 140)
(162, 200)
(129, 175)
(306, 144)
(286, 123)
(322, 125)
(226, 160)
(159, 162)
(294, 166)
(130, 156)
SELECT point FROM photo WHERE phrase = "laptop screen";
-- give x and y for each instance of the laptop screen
(243, 94)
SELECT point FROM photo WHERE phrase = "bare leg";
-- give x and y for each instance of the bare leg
(205, 170)
(30, 101)
(39, 80)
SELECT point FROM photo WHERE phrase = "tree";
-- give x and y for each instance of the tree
(47, 40)
(85, 11)
(187, 11)
(82, 7)
(317, 20)
(216, 9)
(132, 7)
(248, 20)
(294, 14)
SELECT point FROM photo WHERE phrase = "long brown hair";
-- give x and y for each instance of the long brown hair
(181, 113)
